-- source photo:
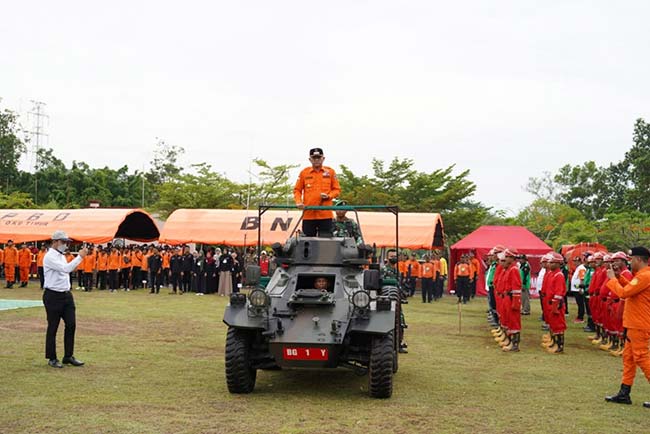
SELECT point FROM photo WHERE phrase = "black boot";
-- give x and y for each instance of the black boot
(646, 404)
(622, 397)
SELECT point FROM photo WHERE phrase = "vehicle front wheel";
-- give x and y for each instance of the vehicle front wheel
(240, 376)
(380, 373)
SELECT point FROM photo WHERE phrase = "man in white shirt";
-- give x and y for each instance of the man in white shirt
(578, 289)
(58, 300)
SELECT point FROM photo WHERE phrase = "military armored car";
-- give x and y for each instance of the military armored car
(323, 308)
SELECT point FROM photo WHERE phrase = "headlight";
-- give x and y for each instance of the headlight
(361, 299)
(258, 298)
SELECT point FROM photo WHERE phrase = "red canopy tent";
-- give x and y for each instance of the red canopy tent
(484, 238)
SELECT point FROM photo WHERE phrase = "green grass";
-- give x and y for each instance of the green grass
(155, 364)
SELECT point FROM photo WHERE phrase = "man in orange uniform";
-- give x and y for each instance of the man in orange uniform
(166, 273)
(412, 273)
(11, 262)
(136, 267)
(144, 271)
(89, 263)
(114, 260)
(511, 285)
(555, 293)
(428, 271)
(461, 276)
(636, 320)
(24, 263)
(316, 186)
(102, 268)
(39, 263)
(2, 261)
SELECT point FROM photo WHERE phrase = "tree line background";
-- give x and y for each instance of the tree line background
(583, 202)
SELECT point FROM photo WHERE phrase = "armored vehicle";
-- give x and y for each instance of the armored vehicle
(323, 308)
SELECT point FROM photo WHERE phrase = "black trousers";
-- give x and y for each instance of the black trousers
(80, 278)
(166, 275)
(101, 279)
(492, 303)
(320, 228)
(462, 287)
(580, 301)
(112, 279)
(187, 281)
(472, 287)
(176, 280)
(125, 277)
(59, 305)
(136, 277)
(427, 289)
(88, 281)
(438, 285)
(155, 280)
(41, 276)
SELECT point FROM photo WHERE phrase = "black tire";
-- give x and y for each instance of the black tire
(380, 372)
(240, 376)
(393, 294)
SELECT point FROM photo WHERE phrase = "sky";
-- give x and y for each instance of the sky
(504, 89)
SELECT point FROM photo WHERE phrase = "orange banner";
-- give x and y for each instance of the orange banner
(240, 227)
(89, 225)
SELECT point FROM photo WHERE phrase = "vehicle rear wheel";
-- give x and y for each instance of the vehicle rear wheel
(240, 376)
(380, 373)
(393, 294)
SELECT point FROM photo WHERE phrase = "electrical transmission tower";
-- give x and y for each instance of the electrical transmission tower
(38, 137)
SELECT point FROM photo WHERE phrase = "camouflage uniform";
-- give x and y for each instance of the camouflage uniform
(390, 272)
(347, 228)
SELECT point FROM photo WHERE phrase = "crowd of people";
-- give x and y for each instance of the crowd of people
(148, 266)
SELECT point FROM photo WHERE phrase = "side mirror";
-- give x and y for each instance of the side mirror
(371, 280)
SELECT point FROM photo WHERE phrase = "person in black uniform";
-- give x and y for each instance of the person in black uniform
(198, 280)
(186, 270)
(176, 267)
(236, 271)
(155, 271)
(210, 265)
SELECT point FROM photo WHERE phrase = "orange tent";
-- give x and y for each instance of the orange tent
(92, 225)
(239, 227)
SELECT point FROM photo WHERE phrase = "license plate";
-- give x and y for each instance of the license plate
(296, 353)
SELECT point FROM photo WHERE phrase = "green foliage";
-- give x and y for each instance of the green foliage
(440, 191)
(15, 200)
(12, 147)
(546, 219)
(203, 189)
(625, 230)
(272, 184)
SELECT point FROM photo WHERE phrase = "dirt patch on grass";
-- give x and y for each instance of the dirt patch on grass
(97, 327)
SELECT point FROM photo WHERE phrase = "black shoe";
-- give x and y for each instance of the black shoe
(622, 397)
(55, 363)
(402, 348)
(588, 329)
(72, 361)
(646, 404)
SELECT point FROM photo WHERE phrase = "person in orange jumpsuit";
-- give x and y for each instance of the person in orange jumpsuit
(136, 267)
(316, 186)
(428, 271)
(636, 320)
(11, 262)
(556, 308)
(2, 261)
(102, 268)
(39, 263)
(114, 260)
(24, 264)
(166, 266)
(511, 286)
(619, 263)
(412, 273)
(88, 265)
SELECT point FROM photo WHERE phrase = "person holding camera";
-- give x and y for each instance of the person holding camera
(58, 299)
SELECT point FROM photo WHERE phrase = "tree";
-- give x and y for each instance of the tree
(635, 168)
(272, 186)
(11, 147)
(15, 200)
(546, 219)
(625, 230)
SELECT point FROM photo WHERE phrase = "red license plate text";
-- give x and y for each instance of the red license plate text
(294, 353)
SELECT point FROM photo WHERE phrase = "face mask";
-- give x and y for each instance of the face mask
(392, 260)
(62, 248)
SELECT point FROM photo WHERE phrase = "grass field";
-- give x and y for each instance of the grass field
(154, 364)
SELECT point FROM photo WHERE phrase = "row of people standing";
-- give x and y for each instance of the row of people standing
(18, 263)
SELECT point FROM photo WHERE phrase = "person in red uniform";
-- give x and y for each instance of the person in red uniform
(511, 286)
(619, 263)
(636, 320)
(597, 279)
(499, 332)
(556, 308)
(543, 298)
(316, 186)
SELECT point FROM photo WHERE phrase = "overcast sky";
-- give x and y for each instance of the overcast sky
(506, 89)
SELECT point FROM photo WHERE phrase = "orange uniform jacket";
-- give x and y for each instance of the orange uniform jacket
(2, 257)
(461, 270)
(11, 256)
(428, 270)
(637, 299)
(89, 263)
(476, 266)
(415, 268)
(165, 260)
(24, 258)
(39, 258)
(311, 183)
(102, 262)
(145, 261)
(136, 259)
(114, 261)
